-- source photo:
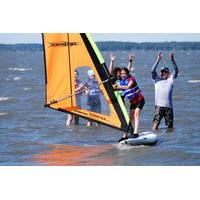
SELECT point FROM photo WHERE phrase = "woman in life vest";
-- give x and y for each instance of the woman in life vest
(131, 92)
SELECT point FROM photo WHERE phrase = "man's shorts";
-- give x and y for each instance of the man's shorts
(165, 112)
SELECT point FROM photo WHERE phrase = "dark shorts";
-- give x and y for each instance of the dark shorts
(95, 108)
(139, 105)
(165, 112)
(94, 104)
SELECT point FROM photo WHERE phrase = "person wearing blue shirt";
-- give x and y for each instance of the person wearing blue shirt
(93, 94)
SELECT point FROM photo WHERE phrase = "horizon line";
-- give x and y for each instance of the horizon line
(112, 41)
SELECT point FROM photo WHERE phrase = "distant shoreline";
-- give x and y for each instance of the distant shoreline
(112, 46)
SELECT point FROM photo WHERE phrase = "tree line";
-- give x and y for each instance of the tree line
(114, 46)
(128, 46)
(21, 47)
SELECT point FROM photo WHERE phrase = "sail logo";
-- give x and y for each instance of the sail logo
(63, 44)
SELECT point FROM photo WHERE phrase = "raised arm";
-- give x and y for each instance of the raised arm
(153, 69)
(175, 73)
(130, 62)
(111, 66)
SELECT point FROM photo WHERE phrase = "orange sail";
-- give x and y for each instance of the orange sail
(67, 53)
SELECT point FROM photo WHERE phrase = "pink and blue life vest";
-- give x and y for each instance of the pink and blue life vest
(132, 92)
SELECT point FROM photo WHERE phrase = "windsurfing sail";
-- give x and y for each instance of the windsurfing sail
(65, 55)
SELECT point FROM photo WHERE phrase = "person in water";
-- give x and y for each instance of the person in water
(116, 71)
(78, 87)
(163, 92)
(132, 93)
(93, 94)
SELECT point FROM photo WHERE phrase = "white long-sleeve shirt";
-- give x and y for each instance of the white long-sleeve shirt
(164, 87)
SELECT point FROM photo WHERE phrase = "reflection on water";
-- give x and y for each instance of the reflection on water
(62, 155)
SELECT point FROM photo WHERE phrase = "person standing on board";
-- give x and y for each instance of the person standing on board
(132, 93)
(163, 92)
(93, 94)
(78, 87)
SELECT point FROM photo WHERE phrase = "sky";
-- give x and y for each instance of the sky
(13, 38)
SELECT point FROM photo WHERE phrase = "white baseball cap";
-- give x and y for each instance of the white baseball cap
(90, 72)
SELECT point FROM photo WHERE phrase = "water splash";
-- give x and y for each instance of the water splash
(19, 69)
(3, 114)
(4, 98)
(17, 78)
(194, 81)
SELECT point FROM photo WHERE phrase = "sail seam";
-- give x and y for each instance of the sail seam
(70, 73)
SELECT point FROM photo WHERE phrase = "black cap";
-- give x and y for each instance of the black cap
(164, 69)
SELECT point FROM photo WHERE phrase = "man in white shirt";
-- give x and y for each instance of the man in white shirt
(163, 93)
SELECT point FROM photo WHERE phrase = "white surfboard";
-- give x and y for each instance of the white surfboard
(145, 138)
